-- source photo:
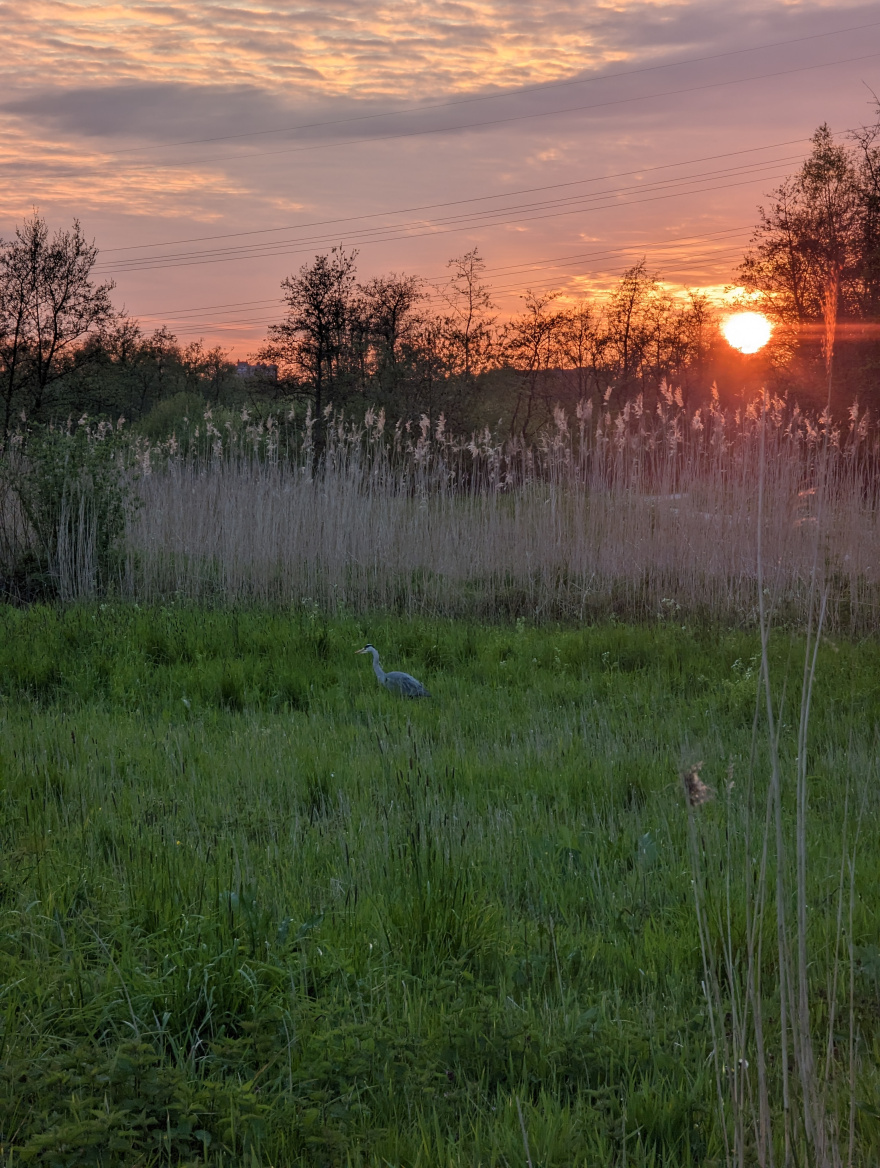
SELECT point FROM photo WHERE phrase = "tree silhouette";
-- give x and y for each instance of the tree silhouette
(49, 306)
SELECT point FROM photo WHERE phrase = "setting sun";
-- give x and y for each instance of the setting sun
(747, 331)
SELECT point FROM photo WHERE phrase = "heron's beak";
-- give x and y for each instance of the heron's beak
(358, 652)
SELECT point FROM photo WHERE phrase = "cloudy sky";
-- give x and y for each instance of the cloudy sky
(212, 148)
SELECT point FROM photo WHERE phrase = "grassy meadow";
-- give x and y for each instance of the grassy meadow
(257, 911)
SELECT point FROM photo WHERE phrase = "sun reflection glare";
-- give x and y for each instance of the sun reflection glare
(747, 331)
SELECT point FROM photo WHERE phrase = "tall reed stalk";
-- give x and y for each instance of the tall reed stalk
(634, 513)
(74, 558)
(817, 1106)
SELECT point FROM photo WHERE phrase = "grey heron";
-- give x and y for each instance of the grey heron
(396, 682)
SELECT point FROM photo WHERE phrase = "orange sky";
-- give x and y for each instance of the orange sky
(211, 149)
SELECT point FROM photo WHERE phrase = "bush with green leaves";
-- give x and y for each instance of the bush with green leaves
(68, 494)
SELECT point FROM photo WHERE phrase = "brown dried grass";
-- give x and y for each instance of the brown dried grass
(634, 514)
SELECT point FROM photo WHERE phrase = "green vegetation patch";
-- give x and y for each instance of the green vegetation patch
(257, 910)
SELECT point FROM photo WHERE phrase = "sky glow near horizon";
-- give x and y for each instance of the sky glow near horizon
(310, 125)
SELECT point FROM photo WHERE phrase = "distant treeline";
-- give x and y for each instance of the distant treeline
(413, 350)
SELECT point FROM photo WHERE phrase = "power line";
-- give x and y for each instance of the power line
(467, 221)
(509, 269)
(540, 88)
(199, 324)
(458, 202)
(208, 307)
(629, 247)
(385, 234)
(263, 321)
(470, 219)
(535, 268)
(547, 283)
(200, 317)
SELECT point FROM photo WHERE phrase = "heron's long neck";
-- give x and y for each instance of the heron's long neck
(377, 668)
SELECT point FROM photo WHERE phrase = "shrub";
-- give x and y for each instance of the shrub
(67, 494)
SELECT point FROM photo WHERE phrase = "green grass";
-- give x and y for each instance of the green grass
(255, 910)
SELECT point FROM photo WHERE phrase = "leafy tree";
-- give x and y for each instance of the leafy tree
(386, 341)
(208, 372)
(808, 242)
(426, 389)
(639, 338)
(468, 329)
(154, 372)
(311, 346)
(867, 146)
(808, 254)
(124, 373)
(389, 303)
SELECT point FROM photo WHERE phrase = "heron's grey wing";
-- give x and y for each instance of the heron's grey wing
(405, 684)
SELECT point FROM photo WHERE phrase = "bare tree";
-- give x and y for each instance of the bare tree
(629, 329)
(49, 305)
(469, 336)
(670, 334)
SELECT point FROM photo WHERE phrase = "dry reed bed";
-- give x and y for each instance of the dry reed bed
(634, 513)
